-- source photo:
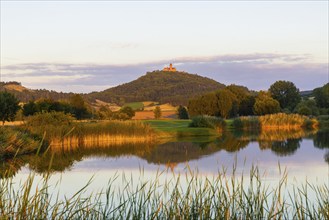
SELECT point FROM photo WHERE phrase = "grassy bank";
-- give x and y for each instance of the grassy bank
(179, 197)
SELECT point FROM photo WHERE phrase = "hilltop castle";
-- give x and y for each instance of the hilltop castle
(169, 69)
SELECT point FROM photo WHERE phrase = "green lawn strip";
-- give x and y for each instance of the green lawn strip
(135, 105)
(179, 128)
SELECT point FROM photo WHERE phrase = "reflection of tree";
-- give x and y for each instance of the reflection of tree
(285, 148)
(178, 152)
(321, 139)
(230, 143)
(326, 157)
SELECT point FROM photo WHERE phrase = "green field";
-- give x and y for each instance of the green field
(135, 105)
(179, 128)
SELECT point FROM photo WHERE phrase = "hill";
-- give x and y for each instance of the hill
(24, 94)
(159, 86)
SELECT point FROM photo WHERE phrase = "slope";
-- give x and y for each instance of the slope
(164, 87)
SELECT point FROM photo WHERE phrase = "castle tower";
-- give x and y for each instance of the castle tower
(170, 68)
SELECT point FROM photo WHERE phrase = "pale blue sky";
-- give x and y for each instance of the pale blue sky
(120, 41)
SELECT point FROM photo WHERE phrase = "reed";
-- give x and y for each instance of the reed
(179, 197)
(279, 121)
(17, 141)
(59, 129)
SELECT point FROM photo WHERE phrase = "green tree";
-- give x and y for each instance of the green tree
(128, 111)
(30, 108)
(105, 112)
(182, 112)
(157, 112)
(307, 107)
(321, 96)
(79, 109)
(286, 93)
(225, 101)
(8, 106)
(265, 104)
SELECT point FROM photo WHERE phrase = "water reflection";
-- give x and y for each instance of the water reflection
(172, 152)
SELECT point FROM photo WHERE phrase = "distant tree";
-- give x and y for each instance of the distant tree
(225, 101)
(286, 93)
(30, 108)
(157, 112)
(128, 111)
(246, 106)
(321, 96)
(307, 107)
(265, 104)
(105, 113)
(182, 112)
(79, 109)
(8, 106)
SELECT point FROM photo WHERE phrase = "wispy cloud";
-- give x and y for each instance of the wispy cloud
(256, 71)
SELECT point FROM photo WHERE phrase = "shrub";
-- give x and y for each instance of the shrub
(205, 121)
(246, 122)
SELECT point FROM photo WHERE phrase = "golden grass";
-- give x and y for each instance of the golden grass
(102, 140)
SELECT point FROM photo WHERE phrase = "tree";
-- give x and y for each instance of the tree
(225, 101)
(105, 112)
(182, 112)
(157, 112)
(30, 108)
(265, 104)
(286, 93)
(307, 107)
(79, 108)
(128, 111)
(8, 106)
(321, 96)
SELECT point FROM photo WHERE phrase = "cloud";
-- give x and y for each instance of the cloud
(256, 71)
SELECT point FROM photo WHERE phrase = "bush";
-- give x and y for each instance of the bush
(204, 121)
(246, 122)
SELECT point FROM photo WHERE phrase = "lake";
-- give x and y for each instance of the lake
(304, 155)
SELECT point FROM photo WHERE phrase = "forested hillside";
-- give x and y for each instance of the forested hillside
(24, 95)
(164, 87)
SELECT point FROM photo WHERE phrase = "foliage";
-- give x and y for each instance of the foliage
(246, 122)
(225, 102)
(28, 94)
(164, 87)
(8, 106)
(246, 105)
(321, 96)
(265, 104)
(157, 112)
(128, 111)
(79, 108)
(307, 107)
(286, 93)
(104, 113)
(182, 112)
(204, 121)
(46, 105)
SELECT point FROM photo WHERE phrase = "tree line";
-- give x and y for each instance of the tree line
(282, 96)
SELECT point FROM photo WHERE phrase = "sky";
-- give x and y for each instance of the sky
(84, 46)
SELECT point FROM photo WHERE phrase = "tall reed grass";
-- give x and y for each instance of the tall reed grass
(180, 197)
(17, 141)
(280, 121)
(59, 129)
